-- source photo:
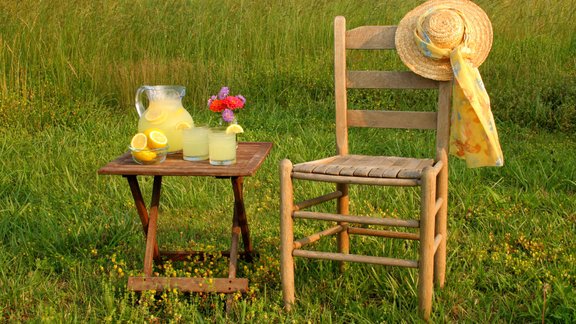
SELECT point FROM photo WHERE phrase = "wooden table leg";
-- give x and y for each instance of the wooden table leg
(151, 243)
(141, 207)
(240, 215)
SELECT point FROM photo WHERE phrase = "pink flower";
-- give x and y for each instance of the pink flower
(233, 102)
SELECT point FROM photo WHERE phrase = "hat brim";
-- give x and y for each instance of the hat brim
(479, 32)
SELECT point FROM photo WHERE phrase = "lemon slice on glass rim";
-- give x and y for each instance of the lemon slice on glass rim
(234, 129)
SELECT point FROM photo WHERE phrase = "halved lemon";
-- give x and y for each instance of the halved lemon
(139, 141)
(183, 125)
(234, 129)
(150, 130)
(157, 139)
(155, 115)
(144, 156)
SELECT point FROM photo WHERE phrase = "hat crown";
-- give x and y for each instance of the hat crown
(445, 28)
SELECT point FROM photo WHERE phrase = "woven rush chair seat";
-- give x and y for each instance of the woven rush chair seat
(366, 166)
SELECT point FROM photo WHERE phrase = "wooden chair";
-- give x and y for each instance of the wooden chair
(344, 169)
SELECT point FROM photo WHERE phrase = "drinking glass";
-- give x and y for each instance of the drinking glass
(221, 147)
(195, 143)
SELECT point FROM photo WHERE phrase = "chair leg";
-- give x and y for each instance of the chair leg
(441, 228)
(343, 208)
(426, 263)
(286, 233)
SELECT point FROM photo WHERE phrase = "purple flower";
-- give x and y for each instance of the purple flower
(228, 115)
(223, 93)
(211, 100)
(241, 97)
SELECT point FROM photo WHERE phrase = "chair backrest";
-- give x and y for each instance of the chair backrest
(382, 38)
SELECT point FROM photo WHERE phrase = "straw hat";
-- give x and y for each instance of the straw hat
(446, 29)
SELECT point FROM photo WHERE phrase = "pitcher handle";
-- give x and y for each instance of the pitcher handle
(139, 106)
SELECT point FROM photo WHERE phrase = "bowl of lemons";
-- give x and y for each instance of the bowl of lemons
(149, 147)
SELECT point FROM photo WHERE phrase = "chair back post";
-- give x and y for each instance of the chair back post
(340, 85)
(443, 119)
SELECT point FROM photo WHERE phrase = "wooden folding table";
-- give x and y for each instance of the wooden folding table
(250, 155)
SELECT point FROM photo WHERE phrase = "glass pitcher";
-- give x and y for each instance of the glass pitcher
(165, 112)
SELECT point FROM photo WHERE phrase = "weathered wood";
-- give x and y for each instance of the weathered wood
(358, 219)
(341, 100)
(151, 242)
(316, 236)
(388, 80)
(426, 263)
(437, 240)
(249, 157)
(441, 221)
(310, 166)
(140, 207)
(343, 208)
(437, 206)
(317, 200)
(371, 37)
(357, 180)
(356, 258)
(286, 234)
(240, 212)
(212, 285)
(383, 233)
(392, 119)
(344, 168)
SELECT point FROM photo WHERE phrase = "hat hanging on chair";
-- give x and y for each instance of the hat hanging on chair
(447, 24)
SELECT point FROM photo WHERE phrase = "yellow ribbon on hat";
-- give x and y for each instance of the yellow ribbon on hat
(473, 134)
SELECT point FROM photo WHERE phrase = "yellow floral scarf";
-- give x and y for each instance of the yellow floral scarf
(473, 134)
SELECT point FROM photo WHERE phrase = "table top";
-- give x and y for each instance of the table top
(249, 157)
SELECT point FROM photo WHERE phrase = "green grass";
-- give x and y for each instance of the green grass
(68, 73)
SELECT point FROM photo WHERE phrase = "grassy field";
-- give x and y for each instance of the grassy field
(69, 237)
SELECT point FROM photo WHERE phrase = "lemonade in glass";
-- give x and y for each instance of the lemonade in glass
(221, 147)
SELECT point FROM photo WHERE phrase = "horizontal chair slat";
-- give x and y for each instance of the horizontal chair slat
(358, 219)
(371, 37)
(357, 180)
(356, 258)
(388, 80)
(317, 200)
(383, 233)
(316, 236)
(392, 119)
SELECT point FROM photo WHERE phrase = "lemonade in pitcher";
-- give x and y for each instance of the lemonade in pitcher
(165, 112)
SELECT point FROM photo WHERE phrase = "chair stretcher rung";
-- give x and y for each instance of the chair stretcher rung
(357, 180)
(437, 240)
(316, 236)
(317, 200)
(358, 219)
(383, 233)
(438, 205)
(356, 258)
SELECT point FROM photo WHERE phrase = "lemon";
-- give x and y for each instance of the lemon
(155, 115)
(144, 156)
(157, 139)
(150, 130)
(234, 129)
(183, 125)
(139, 141)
